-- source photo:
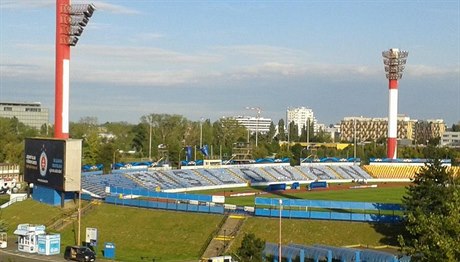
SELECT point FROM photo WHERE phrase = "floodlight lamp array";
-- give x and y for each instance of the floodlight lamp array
(394, 61)
(74, 18)
(82, 9)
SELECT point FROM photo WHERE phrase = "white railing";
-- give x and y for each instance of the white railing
(13, 199)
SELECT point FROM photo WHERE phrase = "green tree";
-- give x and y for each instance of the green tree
(432, 215)
(281, 131)
(251, 248)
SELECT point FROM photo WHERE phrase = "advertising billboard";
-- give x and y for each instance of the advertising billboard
(54, 163)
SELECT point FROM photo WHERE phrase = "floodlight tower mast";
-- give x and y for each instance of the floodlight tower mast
(70, 22)
(394, 61)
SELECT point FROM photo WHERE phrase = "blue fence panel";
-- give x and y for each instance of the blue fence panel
(265, 212)
(358, 217)
(340, 216)
(172, 206)
(152, 204)
(193, 208)
(144, 203)
(298, 214)
(86, 197)
(144, 192)
(262, 201)
(217, 209)
(205, 198)
(162, 205)
(182, 207)
(320, 215)
(203, 209)
(275, 213)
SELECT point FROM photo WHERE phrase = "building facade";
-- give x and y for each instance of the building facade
(429, 129)
(31, 114)
(254, 124)
(450, 139)
(302, 117)
(373, 129)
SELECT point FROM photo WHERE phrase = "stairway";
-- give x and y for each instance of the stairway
(225, 236)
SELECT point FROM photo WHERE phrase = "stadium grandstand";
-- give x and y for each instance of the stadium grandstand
(202, 175)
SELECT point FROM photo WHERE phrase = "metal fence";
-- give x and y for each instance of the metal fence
(328, 210)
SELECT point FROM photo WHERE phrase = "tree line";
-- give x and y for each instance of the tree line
(123, 142)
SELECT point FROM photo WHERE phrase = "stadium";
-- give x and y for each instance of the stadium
(325, 209)
(273, 187)
(328, 209)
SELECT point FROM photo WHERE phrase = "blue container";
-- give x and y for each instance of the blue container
(109, 250)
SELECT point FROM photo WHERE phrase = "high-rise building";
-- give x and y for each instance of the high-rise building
(31, 114)
(372, 129)
(302, 117)
(254, 124)
(428, 129)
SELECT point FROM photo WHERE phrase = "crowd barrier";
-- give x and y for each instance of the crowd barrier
(176, 205)
(155, 194)
(328, 210)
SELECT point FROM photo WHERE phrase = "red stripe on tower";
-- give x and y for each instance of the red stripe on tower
(61, 106)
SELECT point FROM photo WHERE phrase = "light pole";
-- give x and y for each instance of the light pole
(70, 22)
(258, 110)
(279, 251)
(354, 139)
(394, 61)
(150, 140)
(201, 133)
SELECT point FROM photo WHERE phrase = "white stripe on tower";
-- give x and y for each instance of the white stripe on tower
(65, 95)
(392, 119)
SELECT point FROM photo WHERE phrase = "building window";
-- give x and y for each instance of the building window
(7, 108)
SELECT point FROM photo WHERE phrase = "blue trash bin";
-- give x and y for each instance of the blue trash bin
(109, 250)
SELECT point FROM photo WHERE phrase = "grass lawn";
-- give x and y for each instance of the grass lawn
(146, 234)
(308, 232)
(29, 212)
(4, 198)
(378, 195)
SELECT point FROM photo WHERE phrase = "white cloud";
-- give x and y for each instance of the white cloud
(263, 52)
(150, 56)
(117, 9)
(431, 71)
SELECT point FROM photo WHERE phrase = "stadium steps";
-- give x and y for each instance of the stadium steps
(233, 173)
(198, 174)
(268, 174)
(64, 220)
(135, 180)
(298, 170)
(336, 174)
(224, 237)
(168, 176)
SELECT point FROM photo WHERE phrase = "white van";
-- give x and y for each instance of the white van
(221, 259)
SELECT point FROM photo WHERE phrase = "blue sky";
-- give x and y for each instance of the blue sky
(214, 58)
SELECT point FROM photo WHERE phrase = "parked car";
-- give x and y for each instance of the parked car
(79, 253)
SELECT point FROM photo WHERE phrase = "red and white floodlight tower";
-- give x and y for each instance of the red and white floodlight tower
(394, 61)
(70, 22)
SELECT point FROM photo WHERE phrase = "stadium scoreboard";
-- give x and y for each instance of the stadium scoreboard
(54, 163)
